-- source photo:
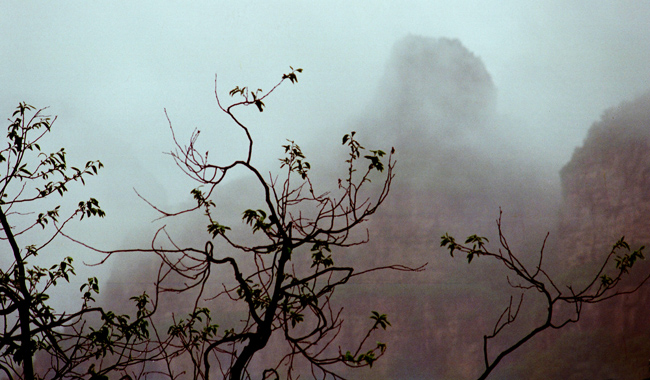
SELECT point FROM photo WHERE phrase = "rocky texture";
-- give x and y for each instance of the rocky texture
(456, 163)
(606, 185)
(455, 170)
(455, 183)
(606, 195)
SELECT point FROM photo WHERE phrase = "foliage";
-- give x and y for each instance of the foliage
(604, 285)
(30, 326)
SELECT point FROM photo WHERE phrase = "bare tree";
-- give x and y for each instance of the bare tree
(563, 306)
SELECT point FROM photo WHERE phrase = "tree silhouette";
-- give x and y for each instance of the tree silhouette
(287, 273)
(562, 306)
(30, 326)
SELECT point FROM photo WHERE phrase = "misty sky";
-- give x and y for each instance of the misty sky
(109, 68)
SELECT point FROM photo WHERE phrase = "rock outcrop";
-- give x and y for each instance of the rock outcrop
(606, 195)
(606, 185)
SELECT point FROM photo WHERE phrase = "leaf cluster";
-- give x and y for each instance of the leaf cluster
(477, 245)
(318, 255)
(257, 220)
(622, 262)
(355, 153)
(116, 328)
(190, 334)
(358, 359)
(214, 228)
(292, 75)
(295, 160)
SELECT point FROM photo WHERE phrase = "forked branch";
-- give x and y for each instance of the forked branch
(535, 280)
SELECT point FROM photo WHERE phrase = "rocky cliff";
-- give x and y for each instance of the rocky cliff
(454, 182)
(606, 195)
(606, 185)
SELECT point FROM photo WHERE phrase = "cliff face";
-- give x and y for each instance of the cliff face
(455, 170)
(606, 185)
(606, 195)
(457, 164)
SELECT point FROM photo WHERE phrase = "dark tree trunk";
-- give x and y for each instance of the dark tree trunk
(264, 330)
(23, 305)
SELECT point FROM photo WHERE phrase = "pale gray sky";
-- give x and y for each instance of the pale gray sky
(108, 68)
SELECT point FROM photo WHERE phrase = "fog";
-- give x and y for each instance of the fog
(485, 104)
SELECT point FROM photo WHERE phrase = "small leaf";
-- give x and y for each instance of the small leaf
(217, 229)
(259, 105)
